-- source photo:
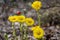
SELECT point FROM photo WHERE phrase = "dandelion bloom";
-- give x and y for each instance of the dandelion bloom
(36, 27)
(36, 5)
(12, 18)
(38, 32)
(21, 18)
(29, 21)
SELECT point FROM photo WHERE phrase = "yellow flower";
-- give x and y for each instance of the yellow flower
(36, 27)
(38, 33)
(29, 21)
(21, 18)
(36, 5)
(12, 18)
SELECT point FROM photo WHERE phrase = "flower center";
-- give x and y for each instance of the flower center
(29, 21)
(38, 33)
(21, 18)
(13, 18)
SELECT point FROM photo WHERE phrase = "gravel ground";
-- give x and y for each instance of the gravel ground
(52, 32)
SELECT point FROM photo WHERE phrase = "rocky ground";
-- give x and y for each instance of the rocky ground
(50, 12)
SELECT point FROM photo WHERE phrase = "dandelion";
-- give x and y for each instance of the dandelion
(36, 27)
(38, 33)
(12, 18)
(36, 5)
(29, 21)
(21, 18)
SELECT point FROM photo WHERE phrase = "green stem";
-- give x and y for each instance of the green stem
(21, 31)
(6, 36)
(25, 33)
(14, 31)
(38, 18)
(21, 27)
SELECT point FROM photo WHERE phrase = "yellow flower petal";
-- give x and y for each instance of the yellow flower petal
(12, 18)
(38, 32)
(29, 21)
(21, 18)
(36, 5)
(33, 28)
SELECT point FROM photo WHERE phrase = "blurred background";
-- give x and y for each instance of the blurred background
(50, 16)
